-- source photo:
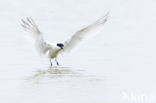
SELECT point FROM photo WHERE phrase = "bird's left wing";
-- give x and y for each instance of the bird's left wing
(86, 32)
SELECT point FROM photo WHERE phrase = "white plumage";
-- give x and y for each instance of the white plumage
(52, 50)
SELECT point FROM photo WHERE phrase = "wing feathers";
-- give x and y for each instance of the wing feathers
(86, 32)
(30, 25)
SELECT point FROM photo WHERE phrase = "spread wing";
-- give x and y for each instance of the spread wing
(86, 32)
(29, 25)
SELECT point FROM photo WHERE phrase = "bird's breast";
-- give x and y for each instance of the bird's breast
(53, 53)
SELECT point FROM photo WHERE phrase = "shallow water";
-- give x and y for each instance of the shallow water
(68, 85)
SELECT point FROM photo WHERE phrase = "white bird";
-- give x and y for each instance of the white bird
(52, 50)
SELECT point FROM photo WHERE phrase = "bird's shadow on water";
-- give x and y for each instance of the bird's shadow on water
(61, 73)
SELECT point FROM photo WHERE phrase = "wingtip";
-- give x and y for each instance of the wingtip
(107, 14)
(104, 18)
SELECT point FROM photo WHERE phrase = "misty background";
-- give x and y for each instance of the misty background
(119, 61)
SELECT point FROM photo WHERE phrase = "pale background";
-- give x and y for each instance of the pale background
(117, 66)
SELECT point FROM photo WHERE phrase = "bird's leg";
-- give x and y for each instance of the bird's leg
(57, 62)
(51, 64)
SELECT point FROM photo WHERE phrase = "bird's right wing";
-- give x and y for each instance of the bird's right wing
(84, 33)
(29, 25)
(36, 36)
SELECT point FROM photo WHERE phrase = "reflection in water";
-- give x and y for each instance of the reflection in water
(69, 84)
(60, 73)
(57, 72)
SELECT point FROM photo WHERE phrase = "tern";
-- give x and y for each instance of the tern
(52, 50)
